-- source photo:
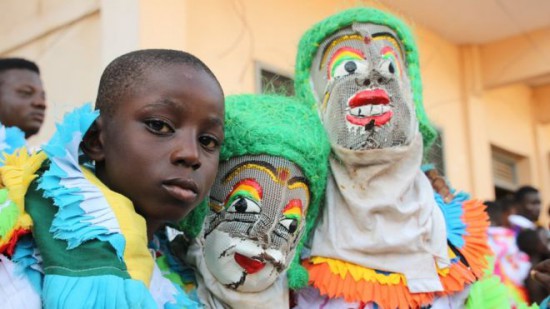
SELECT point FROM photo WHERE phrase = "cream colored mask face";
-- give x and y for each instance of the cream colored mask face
(257, 213)
(359, 76)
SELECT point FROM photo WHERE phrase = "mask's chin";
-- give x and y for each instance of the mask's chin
(235, 264)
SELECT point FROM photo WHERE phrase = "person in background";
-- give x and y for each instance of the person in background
(511, 265)
(22, 95)
(528, 204)
(508, 207)
(534, 242)
(541, 273)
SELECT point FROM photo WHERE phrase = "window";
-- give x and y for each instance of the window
(271, 81)
(509, 171)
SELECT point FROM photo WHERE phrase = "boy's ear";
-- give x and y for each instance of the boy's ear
(92, 143)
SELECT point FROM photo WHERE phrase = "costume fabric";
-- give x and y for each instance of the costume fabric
(89, 246)
(396, 213)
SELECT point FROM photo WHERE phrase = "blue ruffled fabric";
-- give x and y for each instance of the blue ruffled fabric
(84, 213)
(11, 139)
(545, 303)
(25, 257)
(183, 301)
(452, 212)
(106, 291)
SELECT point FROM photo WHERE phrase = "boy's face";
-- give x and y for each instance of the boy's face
(22, 100)
(161, 145)
(359, 76)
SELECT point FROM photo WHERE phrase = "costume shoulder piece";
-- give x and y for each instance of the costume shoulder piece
(466, 226)
(93, 243)
(17, 170)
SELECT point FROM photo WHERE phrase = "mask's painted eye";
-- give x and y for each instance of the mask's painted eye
(244, 205)
(349, 67)
(290, 224)
(390, 62)
(388, 68)
(346, 61)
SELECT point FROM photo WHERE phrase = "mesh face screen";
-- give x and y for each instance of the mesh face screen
(360, 79)
(257, 204)
(257, 213)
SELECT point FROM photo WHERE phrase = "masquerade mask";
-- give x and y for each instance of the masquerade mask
(359, 76)
(257, 213)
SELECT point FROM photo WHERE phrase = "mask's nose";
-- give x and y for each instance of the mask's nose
(375, 78)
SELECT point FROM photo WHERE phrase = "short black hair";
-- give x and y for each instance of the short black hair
(495, 212)
(507, 203)
(18, 63)
(528, 241)
(520, 194)
(127, 71)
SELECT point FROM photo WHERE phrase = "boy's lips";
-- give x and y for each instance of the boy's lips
(369, 105)
(184, 190)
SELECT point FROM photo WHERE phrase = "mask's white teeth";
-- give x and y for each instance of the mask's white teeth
(368, 110)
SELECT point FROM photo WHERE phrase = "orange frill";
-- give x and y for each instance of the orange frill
(336, 278)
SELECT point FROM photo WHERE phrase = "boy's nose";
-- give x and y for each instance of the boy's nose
(186, 153)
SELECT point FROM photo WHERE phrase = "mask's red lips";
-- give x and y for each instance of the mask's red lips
(366, 97)
(369, 105)
(250, 266)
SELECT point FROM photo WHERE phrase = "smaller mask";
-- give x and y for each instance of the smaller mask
(257, 213)
(359, 76)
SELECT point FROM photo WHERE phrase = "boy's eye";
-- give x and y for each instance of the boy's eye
(209, 142)
(159, 127)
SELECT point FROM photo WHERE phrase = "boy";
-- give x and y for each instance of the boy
(149, 158)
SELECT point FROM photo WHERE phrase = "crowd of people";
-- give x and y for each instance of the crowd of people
(168, 194)
(520, 243)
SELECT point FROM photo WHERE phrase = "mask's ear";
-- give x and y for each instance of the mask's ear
(92, 143)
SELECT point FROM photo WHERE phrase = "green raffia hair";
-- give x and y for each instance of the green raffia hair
(313, 38)
(283, 127)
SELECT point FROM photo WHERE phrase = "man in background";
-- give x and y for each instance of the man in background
(528, 208)
(22, 96)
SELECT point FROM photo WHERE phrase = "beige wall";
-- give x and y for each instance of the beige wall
(477, 95)
(64, 38)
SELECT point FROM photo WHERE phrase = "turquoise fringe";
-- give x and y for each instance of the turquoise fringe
(452, 211)
(106, 291)
(183, 301)
(11, 139)
(25, 258)
(84, 213)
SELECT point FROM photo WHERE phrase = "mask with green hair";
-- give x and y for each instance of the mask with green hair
(360, 68)
(266, 197)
